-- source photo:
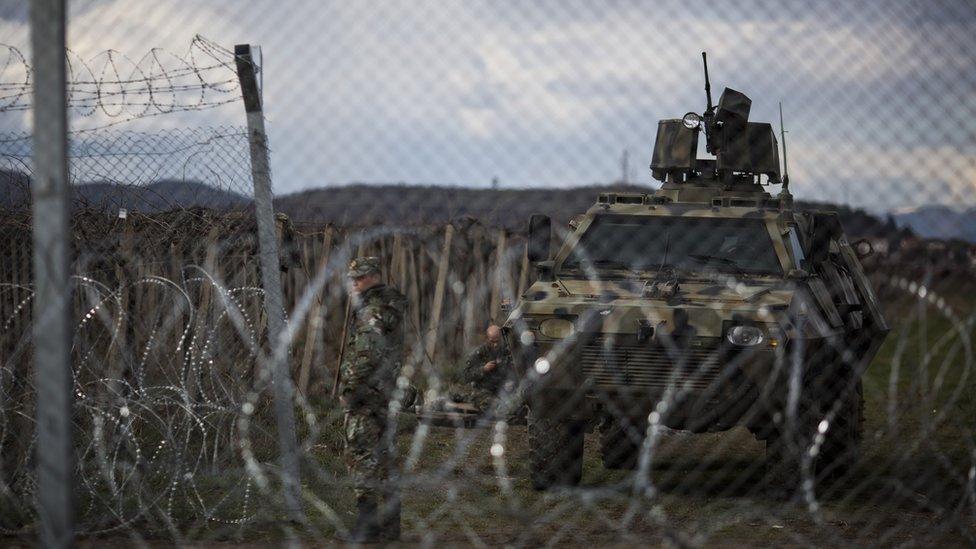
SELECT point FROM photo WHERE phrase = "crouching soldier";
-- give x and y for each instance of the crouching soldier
(490, 374)
(374, 351)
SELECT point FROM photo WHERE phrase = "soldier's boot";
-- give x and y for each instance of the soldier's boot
(389, 523)
(366, 529)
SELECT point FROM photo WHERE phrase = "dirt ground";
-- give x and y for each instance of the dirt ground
(707, 491)
(915, 484)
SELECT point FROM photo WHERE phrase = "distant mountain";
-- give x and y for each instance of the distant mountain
(160, 196)
(857, 222)
(939, 222)
(14, 189)
(369, 204)
(413, 205)
(363, 205)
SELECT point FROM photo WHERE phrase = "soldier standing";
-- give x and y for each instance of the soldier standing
(374, 351)
(490, 370)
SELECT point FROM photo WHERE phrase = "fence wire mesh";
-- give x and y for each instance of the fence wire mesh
(688, 355)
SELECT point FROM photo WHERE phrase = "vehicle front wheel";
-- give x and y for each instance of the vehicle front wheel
(620, 443)
(818, 444)
(841, 445)
(555, 449)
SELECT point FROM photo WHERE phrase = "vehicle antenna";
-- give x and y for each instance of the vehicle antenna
(782, 133)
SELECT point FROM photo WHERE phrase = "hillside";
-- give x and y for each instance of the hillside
(414, 205)
(162, 195)
(419, 205)
(939, 222)
(157, 197)
(14, 189)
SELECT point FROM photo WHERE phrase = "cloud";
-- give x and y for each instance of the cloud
(883, 178)
(16, 12)
(551, 93)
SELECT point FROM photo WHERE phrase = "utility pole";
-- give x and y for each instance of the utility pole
(52, 293)
(625, 167)
(271, 280)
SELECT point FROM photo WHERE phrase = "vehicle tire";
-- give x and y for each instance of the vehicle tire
(824, 451)
(841, 444)
(555, 450)
(620, 444)
(783, 466)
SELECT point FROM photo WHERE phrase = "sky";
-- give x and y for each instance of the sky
(879, 96)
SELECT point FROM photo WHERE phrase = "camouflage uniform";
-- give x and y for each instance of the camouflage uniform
(485, 387)
(374, 350)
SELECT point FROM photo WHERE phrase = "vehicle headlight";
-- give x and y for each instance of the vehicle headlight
(745, 336)
(691, 120)
(557, 328)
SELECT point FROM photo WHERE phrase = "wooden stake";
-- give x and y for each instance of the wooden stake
(396, 266)
(313, 327)
(498, 279)
(386, 276)
(342, 349)
(413, 291)
(404, 269)
(433, 329)
(123, 271)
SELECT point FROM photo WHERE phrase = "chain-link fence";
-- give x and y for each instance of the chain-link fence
(562, 347)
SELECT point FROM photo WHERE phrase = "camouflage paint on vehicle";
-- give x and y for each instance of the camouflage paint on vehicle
(628, 338)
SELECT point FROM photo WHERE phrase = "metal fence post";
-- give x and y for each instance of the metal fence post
(271, 280)
(51, 316)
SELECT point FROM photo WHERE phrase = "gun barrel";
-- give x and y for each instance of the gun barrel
(708, 86)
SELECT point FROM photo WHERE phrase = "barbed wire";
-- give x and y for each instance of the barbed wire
(119, 88)
(175, 430)
(174, 425)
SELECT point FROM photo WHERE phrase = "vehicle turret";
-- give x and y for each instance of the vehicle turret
(746, 154)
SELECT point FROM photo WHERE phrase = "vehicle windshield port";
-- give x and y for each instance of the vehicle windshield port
(646, 244)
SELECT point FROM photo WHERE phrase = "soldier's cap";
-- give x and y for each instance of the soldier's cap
(362, 266)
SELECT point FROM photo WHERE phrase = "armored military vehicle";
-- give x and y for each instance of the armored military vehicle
(708, 304)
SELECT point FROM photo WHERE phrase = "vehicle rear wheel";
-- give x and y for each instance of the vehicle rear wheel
(620, 443)
(555, 450)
